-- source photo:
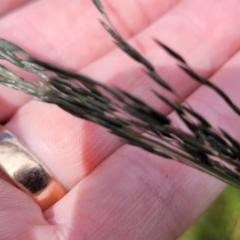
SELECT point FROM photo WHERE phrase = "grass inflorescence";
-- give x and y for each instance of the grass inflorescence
(202, 146)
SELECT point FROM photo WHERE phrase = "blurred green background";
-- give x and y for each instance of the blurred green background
(221, 221)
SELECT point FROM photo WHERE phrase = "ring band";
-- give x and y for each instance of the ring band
(27, 173)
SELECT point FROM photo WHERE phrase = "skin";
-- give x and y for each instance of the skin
(117, 191)
(8, 5)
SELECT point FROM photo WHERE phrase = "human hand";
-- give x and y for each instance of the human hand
(116, 191)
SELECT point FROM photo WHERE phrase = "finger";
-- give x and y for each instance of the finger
(134, 194)
(84, 145)
(20, 217)
(68, 33)
(79, 35)
(9, 5)
(10, 100)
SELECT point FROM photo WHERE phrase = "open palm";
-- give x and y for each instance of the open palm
(116, 191)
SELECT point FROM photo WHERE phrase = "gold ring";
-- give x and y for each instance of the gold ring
(26, 171)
